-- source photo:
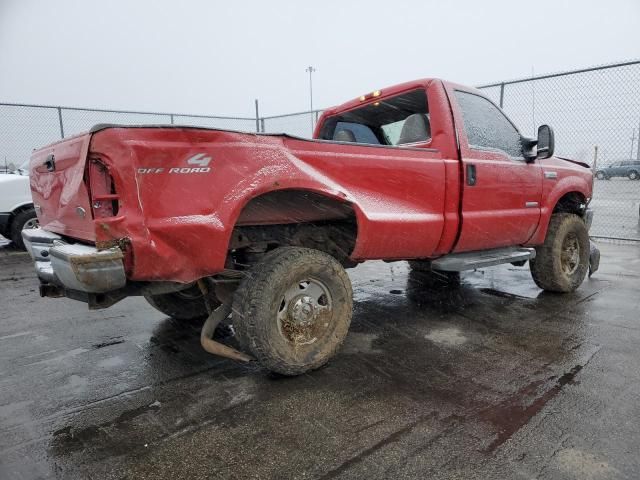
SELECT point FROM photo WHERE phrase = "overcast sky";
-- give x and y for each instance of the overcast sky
(214, 57)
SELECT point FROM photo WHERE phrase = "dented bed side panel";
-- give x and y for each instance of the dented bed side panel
(60, 195)
(182, 191)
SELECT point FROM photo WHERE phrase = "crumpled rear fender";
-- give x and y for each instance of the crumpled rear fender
(178, 225)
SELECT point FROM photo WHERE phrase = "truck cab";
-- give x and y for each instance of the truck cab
(501, 187)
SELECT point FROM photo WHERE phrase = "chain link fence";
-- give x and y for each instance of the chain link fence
(591, 108)
(299, 124)
(588, 108)
(24, 127)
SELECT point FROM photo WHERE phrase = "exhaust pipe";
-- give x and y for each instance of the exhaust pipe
(213, 320)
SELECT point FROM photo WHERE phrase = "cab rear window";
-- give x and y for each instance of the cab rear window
(401, 119)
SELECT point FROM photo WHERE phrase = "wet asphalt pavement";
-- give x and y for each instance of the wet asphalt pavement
(493, 379)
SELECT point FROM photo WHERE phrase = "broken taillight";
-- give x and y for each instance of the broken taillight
(104, 199)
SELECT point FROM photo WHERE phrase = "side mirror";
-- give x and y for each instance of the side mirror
(546, 141)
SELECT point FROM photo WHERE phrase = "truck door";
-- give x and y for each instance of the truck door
(501, 192)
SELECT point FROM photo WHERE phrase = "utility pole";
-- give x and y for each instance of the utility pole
(638, 153)
(257, 117)
(310, 69)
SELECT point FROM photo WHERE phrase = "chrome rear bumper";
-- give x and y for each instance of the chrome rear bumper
(77, 267)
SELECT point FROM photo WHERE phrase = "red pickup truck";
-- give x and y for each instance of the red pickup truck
(207, 222)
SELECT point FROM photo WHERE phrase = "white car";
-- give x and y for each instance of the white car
(16, 206)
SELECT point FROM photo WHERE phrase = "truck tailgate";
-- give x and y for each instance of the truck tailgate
(60, 195)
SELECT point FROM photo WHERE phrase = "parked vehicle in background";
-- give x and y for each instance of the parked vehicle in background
(16, 206)
(211, 221)
(625, 168)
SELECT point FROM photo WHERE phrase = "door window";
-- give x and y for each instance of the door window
(487, 127)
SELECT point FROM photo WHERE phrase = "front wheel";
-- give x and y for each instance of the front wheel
(633, 175)
(600, 175)
(293, 309)
(562, 261)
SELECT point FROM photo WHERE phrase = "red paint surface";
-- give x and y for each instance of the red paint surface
(407, 200)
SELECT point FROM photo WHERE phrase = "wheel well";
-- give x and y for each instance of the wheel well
(293, 218)
(572, 202)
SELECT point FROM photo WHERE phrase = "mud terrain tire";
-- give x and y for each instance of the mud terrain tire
(562, 261)
(293, 309)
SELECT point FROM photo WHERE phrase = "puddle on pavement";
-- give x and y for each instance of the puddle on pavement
(515, 412)
(447, 336)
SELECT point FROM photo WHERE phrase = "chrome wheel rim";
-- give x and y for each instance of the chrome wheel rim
(570, 256)
(304, 311)
(30, 224)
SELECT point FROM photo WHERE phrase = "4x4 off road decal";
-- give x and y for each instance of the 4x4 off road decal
(200, 159)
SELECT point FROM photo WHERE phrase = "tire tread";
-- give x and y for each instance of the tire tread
(544, 268)
(254, 293)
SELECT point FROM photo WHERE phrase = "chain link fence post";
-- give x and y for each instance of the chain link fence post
(60, 122)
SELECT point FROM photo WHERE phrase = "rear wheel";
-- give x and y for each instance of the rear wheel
(24, 220)
(293, 309)
(600, 176)
(183, 305)
(562, 261)
(633, 175)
